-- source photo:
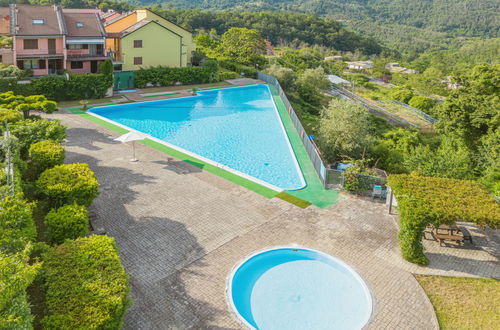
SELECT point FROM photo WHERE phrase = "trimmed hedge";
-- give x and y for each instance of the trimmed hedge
(430, 200)
(10, 115)
(68, 184)
(17, 273)
(44, 155)
(166, 76)
(35, 130)
(59, 88)
(17, 227)
(248, 71)
(67, 222)
(86, 285)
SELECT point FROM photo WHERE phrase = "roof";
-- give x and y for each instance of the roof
(4, 11)
(23, 15)
(337, 80)
(83, 10)
(141, 24)
(92, 26)
(117, 18)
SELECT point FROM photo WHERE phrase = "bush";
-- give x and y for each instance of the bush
(422, 103)
(16, 223)
(285, 76)
(400, 94)
(67, 222)
(44, 155)
(10, 115)
(225, 75)
(58, 88)
(166, 76)
(86, 285)
(426, 200)
(247, 71)
(35, 130)
(68, 184)
(16, 274)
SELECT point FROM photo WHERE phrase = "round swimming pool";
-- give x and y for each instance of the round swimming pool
(295, 288)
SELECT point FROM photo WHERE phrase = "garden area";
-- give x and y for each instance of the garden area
(463, 303)
(55, 274)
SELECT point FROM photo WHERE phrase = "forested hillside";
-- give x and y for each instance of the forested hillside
(456, 16)
(410, 26)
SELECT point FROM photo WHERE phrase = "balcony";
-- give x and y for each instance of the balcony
(82, 52)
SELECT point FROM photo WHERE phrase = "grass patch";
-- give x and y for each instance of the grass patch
(293, 200)
(67, 104)
(463, 303)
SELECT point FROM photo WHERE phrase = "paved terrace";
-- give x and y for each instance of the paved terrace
(180, 230)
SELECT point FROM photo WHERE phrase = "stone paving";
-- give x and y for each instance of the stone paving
(180, 231)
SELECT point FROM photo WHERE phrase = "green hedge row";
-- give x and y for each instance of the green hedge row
(247, 71)
(42, 156)
(68, 184)
(86, 285)
(67, 222)
(430, 200)
(59, 88)
(166, 76)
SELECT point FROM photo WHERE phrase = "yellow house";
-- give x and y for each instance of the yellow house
(141, 38)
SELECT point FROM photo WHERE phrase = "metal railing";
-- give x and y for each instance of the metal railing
(312, 151)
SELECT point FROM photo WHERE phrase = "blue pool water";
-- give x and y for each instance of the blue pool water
(290, 289)
(236, 127)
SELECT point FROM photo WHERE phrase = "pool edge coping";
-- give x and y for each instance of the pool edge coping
(240, 319)
(250, 184)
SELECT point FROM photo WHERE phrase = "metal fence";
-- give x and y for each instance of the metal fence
(309, 145)
(7, 146)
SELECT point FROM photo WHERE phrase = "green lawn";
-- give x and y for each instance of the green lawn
(75, 103)
(463, 303)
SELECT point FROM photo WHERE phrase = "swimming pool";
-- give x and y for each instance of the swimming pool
(235, 128)
(292, 288)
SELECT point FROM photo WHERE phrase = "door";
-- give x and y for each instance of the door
(52, 46)
(52, 66)
(124, 80)
(93, 66)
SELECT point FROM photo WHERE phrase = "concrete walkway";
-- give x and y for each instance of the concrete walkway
(181, 230)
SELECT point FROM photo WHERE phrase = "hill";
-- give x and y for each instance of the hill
(410, 26)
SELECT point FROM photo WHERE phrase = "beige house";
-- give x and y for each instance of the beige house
(360, 65)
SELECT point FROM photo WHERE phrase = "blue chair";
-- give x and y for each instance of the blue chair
(377, 191)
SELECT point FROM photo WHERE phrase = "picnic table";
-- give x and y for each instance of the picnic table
(450, 233)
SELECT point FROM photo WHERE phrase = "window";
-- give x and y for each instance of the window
(137, 43)
(30, 43)
(78, 46)
(77, 65)
(30, 64)
(42, 64)
(137, 60)
(38, 21)
(79, 25)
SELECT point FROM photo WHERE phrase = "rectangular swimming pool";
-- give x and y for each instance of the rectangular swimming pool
(236, 128)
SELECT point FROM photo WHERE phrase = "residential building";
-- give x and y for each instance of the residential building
(396, 68)
(360, 65)
(142, 38)
(336, 80)
(48, 39)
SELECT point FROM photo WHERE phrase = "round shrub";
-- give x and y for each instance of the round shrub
(68, 184)
(67, 222)
(44, 155)
(10, 115)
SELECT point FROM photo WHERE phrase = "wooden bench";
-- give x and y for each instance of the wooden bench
(447, 237)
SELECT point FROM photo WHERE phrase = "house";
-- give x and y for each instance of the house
(360, 65)
(396, 68)
(141, 38)
(48, 39)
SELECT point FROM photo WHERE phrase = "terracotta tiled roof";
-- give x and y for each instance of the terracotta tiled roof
(83, 25)
(53, 23)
